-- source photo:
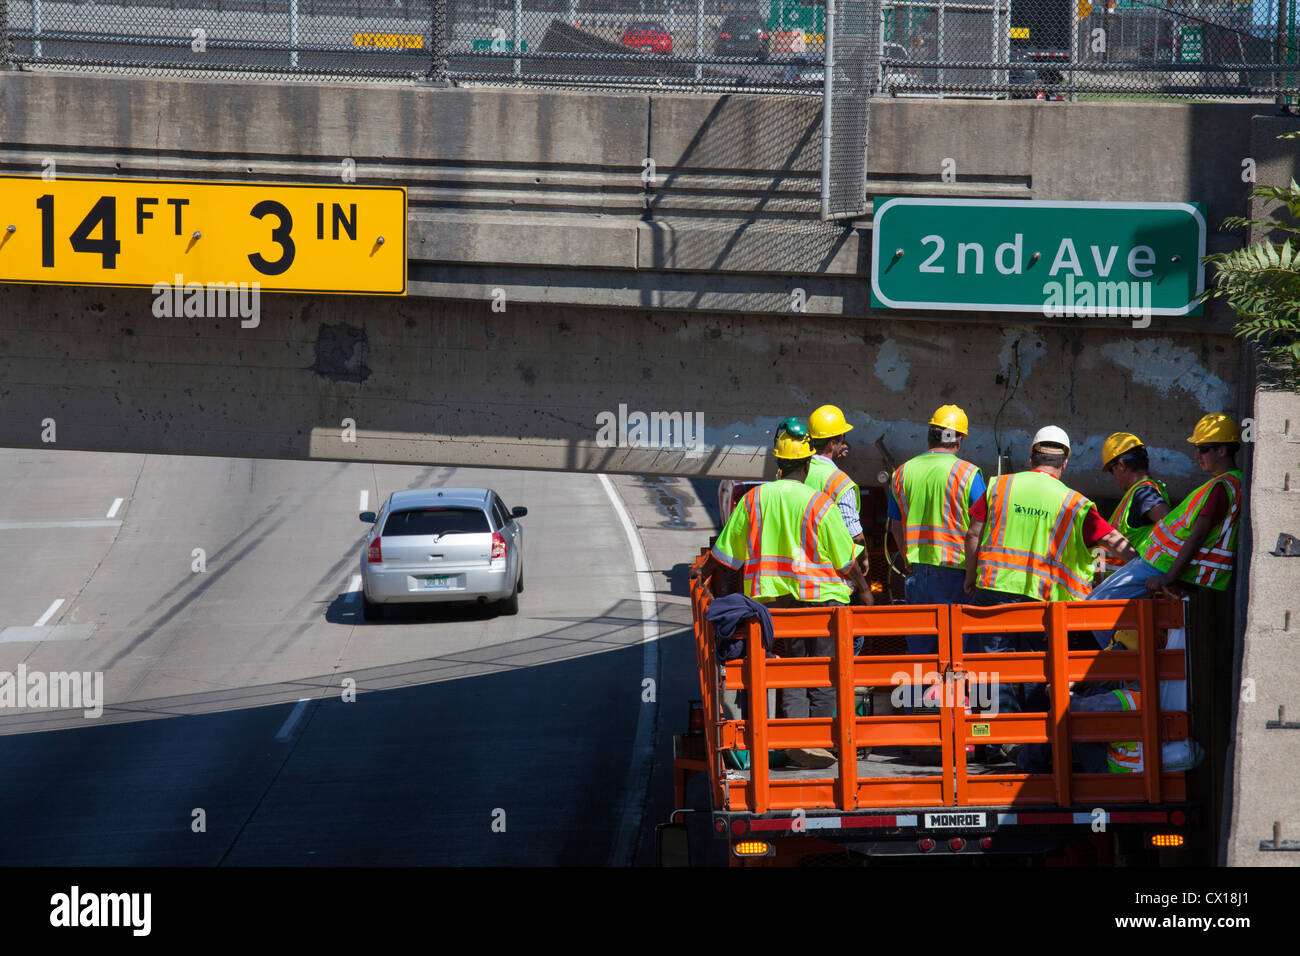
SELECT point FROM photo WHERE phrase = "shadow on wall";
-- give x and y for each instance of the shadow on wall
(768, 227)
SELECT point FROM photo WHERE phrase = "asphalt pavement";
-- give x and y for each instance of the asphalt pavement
(251, 716)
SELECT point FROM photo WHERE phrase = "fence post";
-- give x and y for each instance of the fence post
(4, 34)
(438, 41)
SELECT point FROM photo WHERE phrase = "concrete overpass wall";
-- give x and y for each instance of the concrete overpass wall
(669, 296)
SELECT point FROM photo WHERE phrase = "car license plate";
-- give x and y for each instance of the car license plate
(435, 581)
(941, 821)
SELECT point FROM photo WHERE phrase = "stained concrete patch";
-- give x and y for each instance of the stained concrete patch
(892, 366)
(341, 352)
(1159, 364)
(56, 632)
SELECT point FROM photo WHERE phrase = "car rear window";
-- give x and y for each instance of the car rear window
(436, 521)
(736, 23)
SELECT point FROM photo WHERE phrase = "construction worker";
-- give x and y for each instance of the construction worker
(1034, 545)
(793, 550)
(932, 500)
(1145, 500)
(827, 428)
(1195, 543)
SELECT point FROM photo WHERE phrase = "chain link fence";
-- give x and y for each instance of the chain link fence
(852, 75)
(1057, 49)
(1047, 49)
(310, 38)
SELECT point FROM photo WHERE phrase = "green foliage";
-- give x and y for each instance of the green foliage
(1262, 281)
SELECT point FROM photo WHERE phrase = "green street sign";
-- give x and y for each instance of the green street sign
(1059, 259)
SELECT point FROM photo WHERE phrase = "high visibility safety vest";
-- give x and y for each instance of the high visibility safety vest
(825, 477)
(1211, 566)
(933, 495)
(1125, 757)
(788, 539)
(1033, 539)
(1136, 536)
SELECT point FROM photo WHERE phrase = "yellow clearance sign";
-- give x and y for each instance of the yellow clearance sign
(401, 41)
(286, 238)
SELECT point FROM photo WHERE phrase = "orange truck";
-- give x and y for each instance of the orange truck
(887, 805)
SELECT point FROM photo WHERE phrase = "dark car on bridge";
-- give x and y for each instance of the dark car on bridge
(741, 35)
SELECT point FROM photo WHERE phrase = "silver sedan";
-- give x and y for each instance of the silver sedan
(442, 544)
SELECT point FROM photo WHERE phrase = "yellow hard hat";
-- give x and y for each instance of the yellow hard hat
(1213, 429)
(950, 416)
(827, 422)
(790, 446)
(1116, 445)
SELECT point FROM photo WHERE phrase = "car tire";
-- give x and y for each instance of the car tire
(510, 605)
(370, 610)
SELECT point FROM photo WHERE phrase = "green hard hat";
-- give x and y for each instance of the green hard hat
(791, 426)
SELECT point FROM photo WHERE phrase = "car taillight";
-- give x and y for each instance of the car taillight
(725, 36)
(498, 546)
(762, 35)
(374, 554)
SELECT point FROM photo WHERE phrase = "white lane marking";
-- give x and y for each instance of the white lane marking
(638, 771)
(287, 728)
(49, 613)
(354, 588)
(61, 523)
(112, 512)
(365, 501)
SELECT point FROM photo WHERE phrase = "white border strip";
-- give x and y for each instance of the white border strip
(287, 727)
(112, 512)
(638, 771)
(49, 612)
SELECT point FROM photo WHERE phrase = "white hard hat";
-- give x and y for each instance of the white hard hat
(1052, 435)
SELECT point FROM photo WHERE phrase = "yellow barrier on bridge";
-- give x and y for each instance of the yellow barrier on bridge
(399, 41)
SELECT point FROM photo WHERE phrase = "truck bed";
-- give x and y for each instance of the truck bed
(882, 762)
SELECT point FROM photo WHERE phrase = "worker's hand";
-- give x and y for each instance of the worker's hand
(968, 585)
(1157, 584)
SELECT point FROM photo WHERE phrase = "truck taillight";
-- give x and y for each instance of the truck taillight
(374, 554)
(753, 848)
(498, 546)
(925, 844)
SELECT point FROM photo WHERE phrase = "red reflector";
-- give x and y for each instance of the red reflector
(374, 554)
(737, 827)
(956, 843)
(926, 844)
(720, 825)
(986, 843)
(1177, 818)
(498, 546)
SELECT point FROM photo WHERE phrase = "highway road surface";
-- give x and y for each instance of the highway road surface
(217, 598)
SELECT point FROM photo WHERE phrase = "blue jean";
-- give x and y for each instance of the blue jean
(1014, 698)
(1129, 581)
(1037, 758)
(931, 584)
